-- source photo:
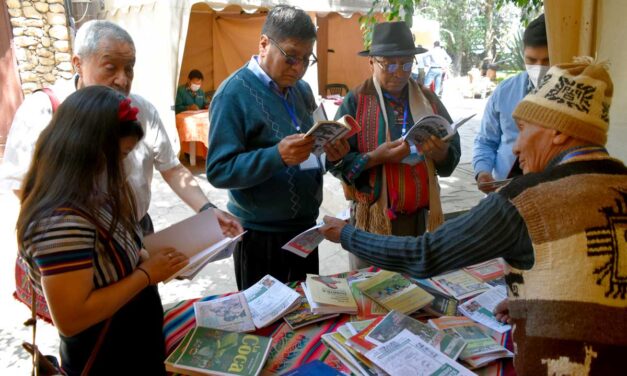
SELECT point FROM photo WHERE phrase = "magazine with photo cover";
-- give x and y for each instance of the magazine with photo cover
(433, 125)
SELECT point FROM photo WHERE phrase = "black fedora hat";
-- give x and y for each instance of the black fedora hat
(392, 39)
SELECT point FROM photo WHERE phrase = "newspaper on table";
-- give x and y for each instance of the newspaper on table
(480, 308)
(229, 313)
(269, 300)
(408, 355)
(395, 322)
(305, 242)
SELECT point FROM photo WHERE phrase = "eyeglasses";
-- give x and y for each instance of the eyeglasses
(392, 68)
(307, 61)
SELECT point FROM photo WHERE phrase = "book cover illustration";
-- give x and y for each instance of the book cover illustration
(330, 290)
(230, 313)
(214, 351)
(433, 125)
(460, 284)
(395, 292)
(326, 131)
(395, 322)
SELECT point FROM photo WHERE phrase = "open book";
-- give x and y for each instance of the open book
(261, 304)
(326, 131)
(199, 237)
(433, 125)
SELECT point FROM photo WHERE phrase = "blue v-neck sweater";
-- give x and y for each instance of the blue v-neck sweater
(248, 119)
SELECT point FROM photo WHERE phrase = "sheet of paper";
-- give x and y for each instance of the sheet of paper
(312, 163)
(480, 308)
(189, 236)
(407, 354)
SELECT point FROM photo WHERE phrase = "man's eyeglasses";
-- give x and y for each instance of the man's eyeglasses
(307, 61)
(392, 68)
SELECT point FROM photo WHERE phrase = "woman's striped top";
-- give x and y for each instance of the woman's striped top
(66, 241)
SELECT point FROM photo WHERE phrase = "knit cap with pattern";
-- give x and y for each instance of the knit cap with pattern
(573, 98)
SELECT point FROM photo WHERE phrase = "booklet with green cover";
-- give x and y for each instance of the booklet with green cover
(215, 352)
(395, 292)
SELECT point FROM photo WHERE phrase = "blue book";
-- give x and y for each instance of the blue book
(315, 367)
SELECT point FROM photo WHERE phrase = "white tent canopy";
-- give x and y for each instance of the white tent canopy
(159, 29)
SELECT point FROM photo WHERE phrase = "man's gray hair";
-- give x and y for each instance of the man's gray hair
(90, 35)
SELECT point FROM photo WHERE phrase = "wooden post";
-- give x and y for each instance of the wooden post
(322, 52)
(571, 27)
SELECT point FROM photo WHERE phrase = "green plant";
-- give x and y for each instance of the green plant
(392, 10)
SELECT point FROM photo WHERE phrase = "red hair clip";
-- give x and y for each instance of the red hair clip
(126, 112)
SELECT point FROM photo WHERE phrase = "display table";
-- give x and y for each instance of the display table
(290, 348)
(193, 129)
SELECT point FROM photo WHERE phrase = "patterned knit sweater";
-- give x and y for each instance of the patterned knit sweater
(570, 308)
(248, 120)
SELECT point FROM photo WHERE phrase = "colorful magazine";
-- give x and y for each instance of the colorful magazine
(216, 352)
(395, 292)
(395, 322)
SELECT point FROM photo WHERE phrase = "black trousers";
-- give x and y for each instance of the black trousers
(260, 253)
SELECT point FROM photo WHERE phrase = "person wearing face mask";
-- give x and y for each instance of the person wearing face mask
(492, 153)
(190, 97)
(257, 149)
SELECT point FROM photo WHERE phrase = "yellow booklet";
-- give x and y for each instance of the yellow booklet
(395, 292)
(330, 291)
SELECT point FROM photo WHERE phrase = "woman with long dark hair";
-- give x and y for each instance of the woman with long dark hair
(78, 232)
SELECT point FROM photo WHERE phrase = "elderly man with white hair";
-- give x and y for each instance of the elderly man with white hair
(104, 54)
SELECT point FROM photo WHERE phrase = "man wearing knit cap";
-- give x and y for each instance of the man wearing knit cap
(561, 227)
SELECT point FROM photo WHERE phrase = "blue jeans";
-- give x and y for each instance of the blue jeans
(435, 74)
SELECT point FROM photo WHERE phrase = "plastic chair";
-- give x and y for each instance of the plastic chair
(336, 89)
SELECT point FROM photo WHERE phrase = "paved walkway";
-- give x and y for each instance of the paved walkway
(458, 193)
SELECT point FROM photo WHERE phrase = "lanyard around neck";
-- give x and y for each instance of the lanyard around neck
(290, 108)
(405, 107)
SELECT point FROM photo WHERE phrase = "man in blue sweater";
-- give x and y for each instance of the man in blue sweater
(492, 153)
(257, 149)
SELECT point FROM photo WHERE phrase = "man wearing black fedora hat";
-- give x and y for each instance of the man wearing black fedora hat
(388, 196)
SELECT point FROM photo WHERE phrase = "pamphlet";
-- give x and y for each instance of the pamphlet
(395, 322)
(408, 355)
(395, 292)
(229, 313)
(480, 308)
(269, 300)
(216, 352)
(460, 284)
(305, 242)
(488, 270)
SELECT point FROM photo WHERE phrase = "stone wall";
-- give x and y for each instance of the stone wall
(42, 42)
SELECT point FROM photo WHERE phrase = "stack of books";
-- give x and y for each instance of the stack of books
(395, 292)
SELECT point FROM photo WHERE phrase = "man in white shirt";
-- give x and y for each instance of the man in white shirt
(436, 64)
(104, 54)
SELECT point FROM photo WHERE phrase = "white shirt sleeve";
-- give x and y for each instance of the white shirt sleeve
(31, 118)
